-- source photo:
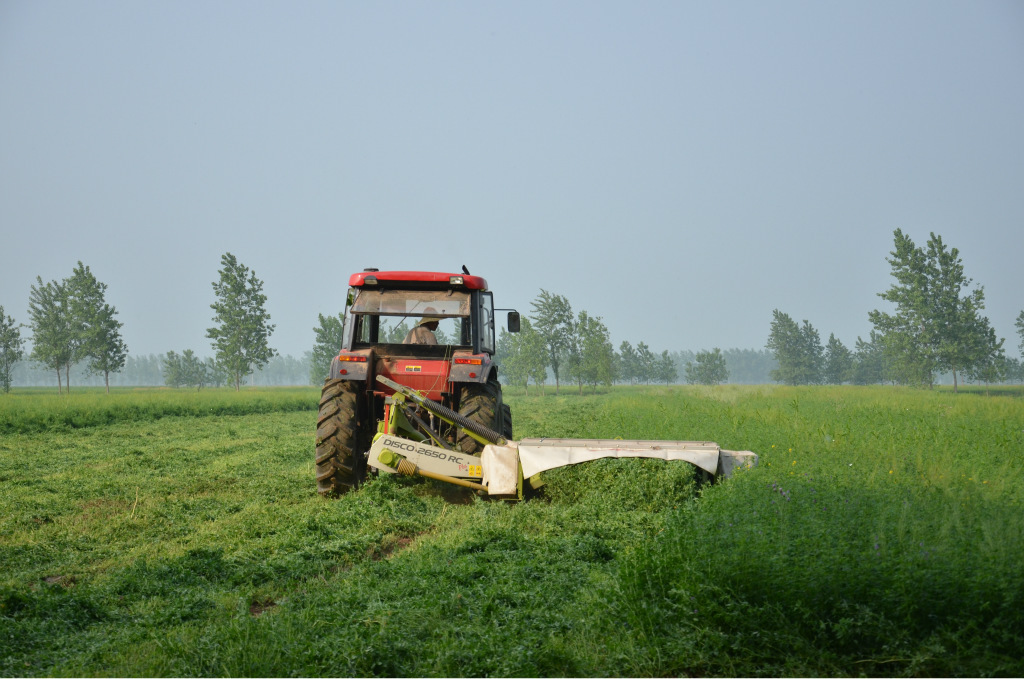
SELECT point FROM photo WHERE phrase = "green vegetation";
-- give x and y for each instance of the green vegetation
(241, 336)
(72, 322)
(10, 349)
(179, 533)
(708, 368)
(938, 324)
(798, 350)
(330, 333)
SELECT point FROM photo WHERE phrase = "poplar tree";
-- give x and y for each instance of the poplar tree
(173, 370)
(628, 362)
(1020, 331)
(54, 343)
(523, 356)
(596, 353)
(240, 338)
(869, 361)
(708, 368)
(838, 364)
(666, 370)
(646, 363)
(194, 370)
(10, 348)
(797, 349)
(937, 324)
(553, 320)
(94, 324)
(328, 336)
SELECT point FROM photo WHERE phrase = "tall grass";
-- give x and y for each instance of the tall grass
(880, 535)
(39, 410)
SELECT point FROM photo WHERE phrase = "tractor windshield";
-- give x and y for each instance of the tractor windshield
(397, 312)
(408, 303)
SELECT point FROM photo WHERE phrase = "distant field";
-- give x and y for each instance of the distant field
(161, 532)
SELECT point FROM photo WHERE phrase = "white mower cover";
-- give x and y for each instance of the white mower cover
(538, 455)
(501, 469)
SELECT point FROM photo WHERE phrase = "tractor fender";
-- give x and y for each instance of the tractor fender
(473, 373)
(352, 365)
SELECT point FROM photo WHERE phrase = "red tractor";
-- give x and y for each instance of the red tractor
(431, 332)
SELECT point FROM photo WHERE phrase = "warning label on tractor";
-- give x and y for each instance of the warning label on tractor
(413, 368)
(438, 460)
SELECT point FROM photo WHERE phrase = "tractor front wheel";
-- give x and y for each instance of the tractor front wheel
(340, 466)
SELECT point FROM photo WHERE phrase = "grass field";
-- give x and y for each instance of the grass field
(155, 532)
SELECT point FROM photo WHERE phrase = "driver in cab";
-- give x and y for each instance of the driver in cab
(423, 333)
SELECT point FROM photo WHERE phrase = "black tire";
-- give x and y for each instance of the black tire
(506, 421)
(340, 466)
(480, 404)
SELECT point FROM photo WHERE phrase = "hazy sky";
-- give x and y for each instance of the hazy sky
(678, 168)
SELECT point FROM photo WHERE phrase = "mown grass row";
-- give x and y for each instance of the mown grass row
(880, 535)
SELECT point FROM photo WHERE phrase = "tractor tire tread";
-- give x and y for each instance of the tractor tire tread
(479, 404)
(338, 467)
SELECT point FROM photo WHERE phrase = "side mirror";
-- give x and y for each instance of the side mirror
(513, 321)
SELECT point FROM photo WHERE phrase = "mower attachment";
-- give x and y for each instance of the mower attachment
(500, 470)
(503, 465)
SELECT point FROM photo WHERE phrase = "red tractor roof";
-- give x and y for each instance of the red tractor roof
(364, 278)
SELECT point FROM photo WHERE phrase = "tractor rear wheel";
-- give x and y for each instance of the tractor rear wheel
(506, 421)
(480, 404)
(340, 466)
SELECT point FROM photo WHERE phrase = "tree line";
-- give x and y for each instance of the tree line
(71, 323)
(153, 370)
(555, 341)
(937, 327)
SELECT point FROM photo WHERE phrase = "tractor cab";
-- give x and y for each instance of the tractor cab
(383, 315)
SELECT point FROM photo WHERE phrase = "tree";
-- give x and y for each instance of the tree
(629, 364)
(396, 334)
(553, 321)
(646, 363)
(989, 366)
(194, 371)
(173, 370)
(709, 368)
(797, 349)
(666, 368)
(1013, 370)
(1020, 331)
(54, 342)
(838, 366)
(748, 366)
(938, 323)
(869, 361)
(523, 356)
(240, 338)
(94, 324)
(10, 348)
(329, 334)
(216, 375)
(596, 354)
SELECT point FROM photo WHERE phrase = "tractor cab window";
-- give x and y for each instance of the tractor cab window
(387, 316)
(486, 323)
